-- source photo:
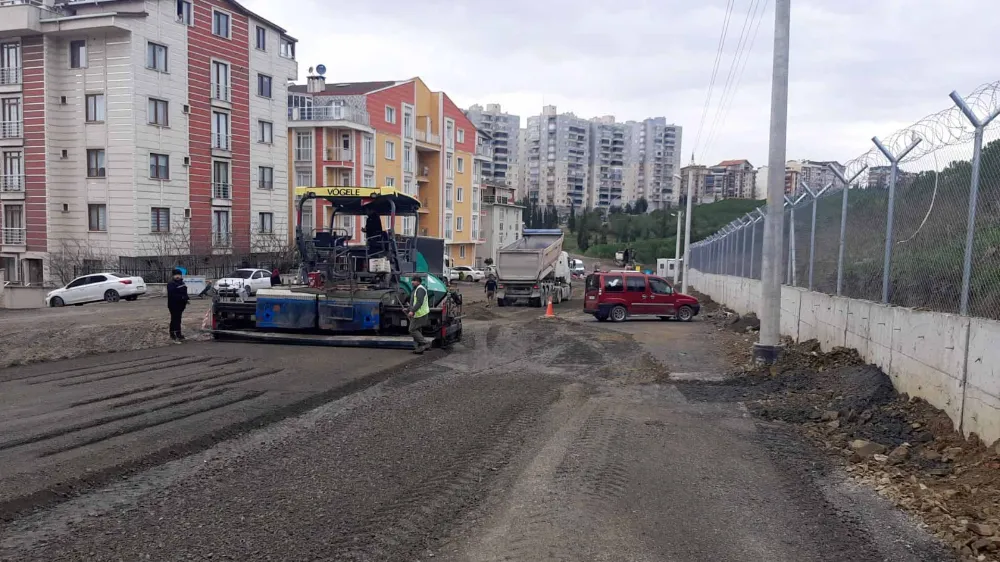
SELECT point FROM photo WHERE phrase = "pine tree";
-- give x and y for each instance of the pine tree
(572, 218)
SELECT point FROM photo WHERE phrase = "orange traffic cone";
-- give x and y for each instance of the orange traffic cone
(549, 313)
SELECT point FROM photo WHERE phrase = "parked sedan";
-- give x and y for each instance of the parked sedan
(466, 273)
(109, 287)
(244, 283)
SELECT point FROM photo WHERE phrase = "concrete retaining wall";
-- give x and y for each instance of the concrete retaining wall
(951, 361)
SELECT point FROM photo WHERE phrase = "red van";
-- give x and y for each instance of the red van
(620, 294)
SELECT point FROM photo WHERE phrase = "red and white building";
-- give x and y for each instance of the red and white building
(139, 127)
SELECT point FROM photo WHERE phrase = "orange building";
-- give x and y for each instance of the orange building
(394, 133)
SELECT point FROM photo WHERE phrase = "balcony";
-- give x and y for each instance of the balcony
(303, 154)
(222, 190)
(12, 184)
(13, 236)
(10, 130)
(497, 200)
(222, 239)
(21, 17)
(329, 113)
(423, 174)
(10, 76)
(337, 154)
(484, 151)
(222, 92)
(429, 138)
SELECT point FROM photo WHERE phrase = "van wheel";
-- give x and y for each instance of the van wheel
(619, 314)
(685, 314)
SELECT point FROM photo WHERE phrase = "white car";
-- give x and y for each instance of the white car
(109, 287)
(244, 283)
(466, 273)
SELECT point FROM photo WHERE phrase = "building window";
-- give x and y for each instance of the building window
(159, 166)
(449, 166)
(449, 203)
(368, 150)
(460, 194)
(261, 38)
(447, 226)
(461, 137)
(220, 130)
(95, 163)
(449, 134)
(390, 114)
(157, 112)
(78, 54)
(368, 180)
(303, 179)
(461, 249)
(461, 164)
(408, 122)
(459, 224)
(390, 181)
(221, 188)
(97, 218)
(159, 219)
(390, 150)
(95, 108)
(220, 81)
(220, 24)
(185, 12)
(286, 48)
(266, 130)
(408, 158)
(264, 85)
(266, 221)
(220, 228)
(265, 177)
(156, 57)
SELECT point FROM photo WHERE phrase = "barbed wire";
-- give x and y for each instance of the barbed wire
(945, 128)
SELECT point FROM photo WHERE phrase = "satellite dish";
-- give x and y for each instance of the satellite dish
(310, 70)
(321, 69)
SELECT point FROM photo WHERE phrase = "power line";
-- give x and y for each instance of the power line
(729, 91)
(715, 71)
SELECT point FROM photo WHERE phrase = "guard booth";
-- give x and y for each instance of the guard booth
(669, 268)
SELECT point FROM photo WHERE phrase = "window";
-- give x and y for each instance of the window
(390, 181)
(614, 284)
(368, 149)
(159, 166)
(220, 24)
(286, 48)
(390, 114)
(408, 122)
(461, 165)
(266, 129)
(448, 202)
(220, 130)
(97, 218)
(78, 54)
(408, 158)
(157, 112)
(303, 179)
(449, 166)
(263, 85)
(460, 194)
(266, 221)
(461, 249)
(449, 133)
(159, 219)
(659, 286)
(95, 163)
(221, 188)
(447, 226)
(261, 38)
(185, 12)
(368, 180)
(220, 228)
(220, 81)
(459, 224)
(635, 284)
(461, 137)
(390, 150)
(265, 177)
(156, 57)
(95, 108)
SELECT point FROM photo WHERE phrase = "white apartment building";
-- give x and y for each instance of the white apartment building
(607, 163)
(503, 130)
(140, 128)
(653, 158)
(558, 159)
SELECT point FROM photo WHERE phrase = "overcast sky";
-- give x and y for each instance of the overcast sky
(858, 67)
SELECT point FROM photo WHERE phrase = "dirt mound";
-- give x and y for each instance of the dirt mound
(477, 311)
(708, 306)
(743, 324)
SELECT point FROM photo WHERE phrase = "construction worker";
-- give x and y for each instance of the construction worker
(177, 300)
(491, 291)
(418, 313)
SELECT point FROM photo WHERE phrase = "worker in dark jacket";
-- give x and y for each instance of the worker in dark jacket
(491, 291)
(418, 313)
(177, 300)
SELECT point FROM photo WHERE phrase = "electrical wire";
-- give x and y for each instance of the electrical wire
(715, 72)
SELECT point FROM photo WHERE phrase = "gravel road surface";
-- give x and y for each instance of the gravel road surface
(533, 440)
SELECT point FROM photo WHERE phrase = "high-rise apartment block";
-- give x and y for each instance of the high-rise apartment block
(139, 127)
(570, 161)
(503, 131)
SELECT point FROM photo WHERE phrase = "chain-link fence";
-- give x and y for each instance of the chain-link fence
(914, 222)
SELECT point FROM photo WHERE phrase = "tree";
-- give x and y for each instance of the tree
(571, 223)
(640, 206)
(583, 235)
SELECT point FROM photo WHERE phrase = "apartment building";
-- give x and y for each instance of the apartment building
(607, 163)
(139, 127)
(696, 176)
(391, 133)
(731, 179)
(503, 130)
(653, 159)
(816, 174)
(558, 159)
(497, 218)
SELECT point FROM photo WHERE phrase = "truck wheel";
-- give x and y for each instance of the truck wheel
(619, 314)
(536, 303)
(501, 302)
(685, 314)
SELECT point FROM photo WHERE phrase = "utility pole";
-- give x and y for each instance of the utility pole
(687, 234)
(768, 348)
(677, 248)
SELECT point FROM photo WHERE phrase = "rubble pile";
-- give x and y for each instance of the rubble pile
(905, 448)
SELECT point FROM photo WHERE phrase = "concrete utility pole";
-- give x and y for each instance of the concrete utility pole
(677, 248)
(768, 348)
(687, 236)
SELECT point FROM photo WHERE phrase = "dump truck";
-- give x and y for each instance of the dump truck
(533, 269)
